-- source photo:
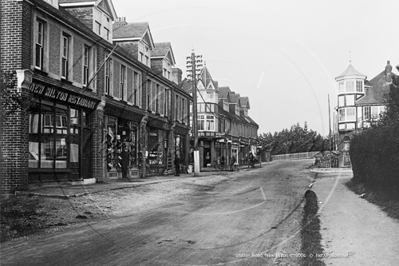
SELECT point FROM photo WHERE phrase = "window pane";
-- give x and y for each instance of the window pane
(359, 86)
(350, 113)
(341, 101)
(341, 115)
(350, 100)
(34, 137)
(74, 117)
(350, 86)
(61, 147)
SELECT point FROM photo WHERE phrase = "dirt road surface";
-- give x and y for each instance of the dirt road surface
(246, 218)
(354, 231)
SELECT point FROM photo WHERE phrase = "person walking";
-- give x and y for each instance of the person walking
(177, 165)
(232, 162)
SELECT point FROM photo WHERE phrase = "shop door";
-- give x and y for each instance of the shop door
(207, 156)
(85, 166)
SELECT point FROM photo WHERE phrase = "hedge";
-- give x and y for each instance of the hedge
(374, 155)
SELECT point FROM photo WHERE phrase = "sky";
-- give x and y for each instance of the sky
(282, 54)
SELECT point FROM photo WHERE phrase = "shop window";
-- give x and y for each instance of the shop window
(155, 147)
(54, 136)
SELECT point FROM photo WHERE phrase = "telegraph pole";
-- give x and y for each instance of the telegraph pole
(193, 62)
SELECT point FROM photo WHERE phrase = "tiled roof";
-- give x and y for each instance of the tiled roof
(185, 85)
(376, 93)
(244, 102)
(207, 78)
(130, 47)
(234, 97)
(161, 49)
(351, 72)
(129, 30)
(223, 92)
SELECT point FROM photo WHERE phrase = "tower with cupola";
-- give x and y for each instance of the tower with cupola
(350, 88)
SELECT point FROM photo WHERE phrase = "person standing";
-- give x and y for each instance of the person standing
(177, 165)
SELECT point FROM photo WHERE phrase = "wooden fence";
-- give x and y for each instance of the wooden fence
(292, 156)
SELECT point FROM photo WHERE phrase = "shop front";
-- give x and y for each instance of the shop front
(158, 155)
(181, 143)
(60, 134)
(122, 146)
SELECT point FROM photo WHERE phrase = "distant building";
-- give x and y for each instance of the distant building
(360, 103)
(224, 126)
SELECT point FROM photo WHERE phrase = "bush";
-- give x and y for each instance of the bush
(375, 156)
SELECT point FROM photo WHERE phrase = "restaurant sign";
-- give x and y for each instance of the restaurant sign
(63, 95)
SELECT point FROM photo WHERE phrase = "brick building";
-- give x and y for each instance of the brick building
(93, 106)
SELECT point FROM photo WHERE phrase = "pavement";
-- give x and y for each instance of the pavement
(67, 190)
(353, 230)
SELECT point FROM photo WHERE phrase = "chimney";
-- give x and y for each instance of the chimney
(121, 21)
(388, 72)
(176, 75)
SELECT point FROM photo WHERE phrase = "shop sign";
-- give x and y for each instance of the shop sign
(62, 95)
(159, 124)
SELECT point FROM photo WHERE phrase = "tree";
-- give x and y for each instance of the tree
(294, 140)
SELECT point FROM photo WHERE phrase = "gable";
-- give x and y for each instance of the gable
(170, 57)
(200, 85)
(147, 38)
(210, 87)
(107, 7)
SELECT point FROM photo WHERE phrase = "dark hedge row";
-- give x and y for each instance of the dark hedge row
(375, 156)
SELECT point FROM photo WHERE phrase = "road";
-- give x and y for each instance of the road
(254, 213)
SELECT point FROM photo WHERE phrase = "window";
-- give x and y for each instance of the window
(366, 113)
(86, 63)
(167, 102)
(141, 57)
(350, 86)
(359, 86)
(161, 100)
(39, 44)
(376, 112)
(157, 96)
(201, 122)
(108, 76)
(350, 100)
(65, 56)
(347, 114)
(210, 122)
(122, 87)
(136, 89)
(98, 28)
(341, 86)
(106, 34)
